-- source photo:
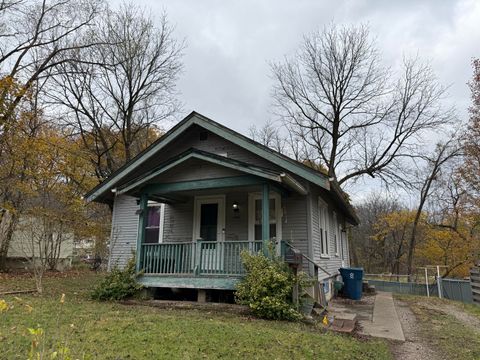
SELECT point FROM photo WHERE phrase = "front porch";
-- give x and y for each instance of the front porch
(199, 265)
(207, 225)
(199, 211)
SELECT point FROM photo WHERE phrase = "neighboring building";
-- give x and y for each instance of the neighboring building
(192, 201)
(84, 248)
(27, 240)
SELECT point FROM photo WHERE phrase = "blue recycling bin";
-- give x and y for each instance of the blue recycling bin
(352, 279)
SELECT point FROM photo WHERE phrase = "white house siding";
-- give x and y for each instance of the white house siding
(333, 262)
(124, 230)
(178, 223)
(294, 224)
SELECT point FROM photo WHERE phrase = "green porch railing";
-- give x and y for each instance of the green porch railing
(196, 258)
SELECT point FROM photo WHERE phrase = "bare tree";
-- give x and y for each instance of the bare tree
(427, 177)
(337, 97)
(123, 90)
(34, 38)
(269, 135)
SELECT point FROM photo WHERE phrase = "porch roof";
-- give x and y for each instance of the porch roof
(147, 180)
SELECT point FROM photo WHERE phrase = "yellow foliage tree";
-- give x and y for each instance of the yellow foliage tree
(43, 174)
(391, 233)
(455, 246)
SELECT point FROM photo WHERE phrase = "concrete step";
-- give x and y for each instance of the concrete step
(343, 322)
(343, 325)
(343, 316)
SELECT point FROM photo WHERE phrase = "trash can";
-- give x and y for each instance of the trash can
(352, 279)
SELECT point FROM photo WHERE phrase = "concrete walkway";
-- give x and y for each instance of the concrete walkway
(385, 322)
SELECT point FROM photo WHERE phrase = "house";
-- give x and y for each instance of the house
(30, 242)
(192, 201)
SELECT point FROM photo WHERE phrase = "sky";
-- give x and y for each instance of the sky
(231, 43)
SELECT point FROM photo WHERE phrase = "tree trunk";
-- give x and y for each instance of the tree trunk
(7, 227)
(413, 241)
(353, 252)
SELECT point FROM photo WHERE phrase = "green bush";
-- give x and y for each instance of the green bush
(118, 284)
(267, 288)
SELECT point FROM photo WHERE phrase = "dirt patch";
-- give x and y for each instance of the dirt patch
(366, 300)
(191, 305)
(460, 315)
(414, 347)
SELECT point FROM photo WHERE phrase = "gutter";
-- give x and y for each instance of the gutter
(293, 184)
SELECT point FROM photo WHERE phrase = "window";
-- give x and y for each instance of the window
(255, 211)
(258, 219)
(336, 233)
(154, 225)
(323, 223)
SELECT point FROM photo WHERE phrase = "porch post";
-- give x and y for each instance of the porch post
(266, 218)
(142, 221)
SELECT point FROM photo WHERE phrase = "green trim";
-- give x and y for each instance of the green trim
(141, 229)
(200, 282)
(289, 164)
(228, 163)
(265, 217)
(228, 134)
(204, 184)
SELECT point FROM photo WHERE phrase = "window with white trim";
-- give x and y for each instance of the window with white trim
(255, 216)
(323, 224)
(154, 223)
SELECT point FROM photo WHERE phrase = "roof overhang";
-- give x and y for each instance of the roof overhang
(228, 134)
(340, 198)
(267, 174)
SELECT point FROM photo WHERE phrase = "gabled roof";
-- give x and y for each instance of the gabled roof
(195, 118)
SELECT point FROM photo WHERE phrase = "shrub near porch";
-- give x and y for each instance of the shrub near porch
(113, 331)
(267, 288)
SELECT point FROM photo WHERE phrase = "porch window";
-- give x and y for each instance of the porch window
(323, 224)
(154, 224)
(258, 220)
(255, 216)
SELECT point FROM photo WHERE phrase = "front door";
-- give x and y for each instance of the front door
(209, 222)
(209, 231)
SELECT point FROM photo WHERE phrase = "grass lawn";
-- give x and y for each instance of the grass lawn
(112, 331)
(449, 326)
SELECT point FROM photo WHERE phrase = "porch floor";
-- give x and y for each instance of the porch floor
(190, 282)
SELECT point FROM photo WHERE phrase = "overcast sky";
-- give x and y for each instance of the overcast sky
(230, 45)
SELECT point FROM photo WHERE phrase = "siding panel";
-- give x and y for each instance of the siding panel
(294, 224)
(124, 230)
(213, 144)
(333, 262)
